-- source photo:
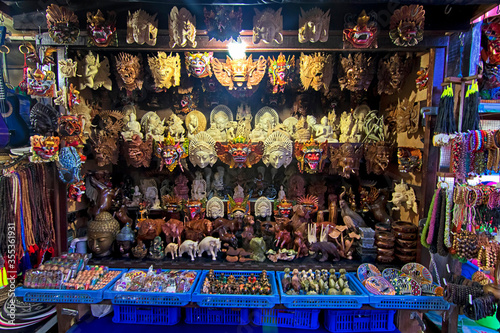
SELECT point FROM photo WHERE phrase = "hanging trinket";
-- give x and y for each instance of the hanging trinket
(240, 152)
(198, 64)
(102, 32)
(314, 25)
(182, 28)
(316, 71)
(62, 24)
(362, 34)
(268, 26)
(279, 71)
(142, 28)
(407, 25)
(224, 23)
(166, 70)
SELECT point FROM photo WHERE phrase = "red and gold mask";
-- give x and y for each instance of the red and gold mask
(240, 152)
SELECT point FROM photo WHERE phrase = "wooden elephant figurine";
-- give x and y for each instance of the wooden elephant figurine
(189, 247)
(211, 245)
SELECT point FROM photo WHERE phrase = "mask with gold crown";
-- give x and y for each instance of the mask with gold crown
(44, 148)
(362, 35)
(102, 31)
(311, 155)
(171, 153)
(240, 152)
(62, 24)
(279, 70)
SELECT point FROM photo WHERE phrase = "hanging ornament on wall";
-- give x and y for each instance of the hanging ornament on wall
(198, 64)
(316, 71)
(62, 24)
(268, 26)
(356, 73)
(363, 33)
(102, 31)
(223, 23)
(407, 25)
(171, 153)
(142, 28)
(129, 72)
(234, 73)
(94, 73)
(311, 155)
(166, 70)
(314, 25)
(181, 28)
(279, 71)
(240, 152)
(392, 72)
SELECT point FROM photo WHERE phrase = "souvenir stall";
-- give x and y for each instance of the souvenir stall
(229, 165)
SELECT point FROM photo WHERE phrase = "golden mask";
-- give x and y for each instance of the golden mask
(238, 71)
(142, 28)
(316, 71)
(129, 72)
(166, 70)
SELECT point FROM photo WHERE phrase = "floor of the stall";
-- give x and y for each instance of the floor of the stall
(105, 324)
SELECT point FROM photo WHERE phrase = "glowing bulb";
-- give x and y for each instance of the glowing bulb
(237, 49)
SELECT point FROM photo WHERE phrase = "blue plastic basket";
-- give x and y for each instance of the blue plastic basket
(325, 301)
(405, 302)
(152, 315)
(236, 301)
(145, 298)
(360, 320)
(305, 319)
(65, 296)
(217, 316)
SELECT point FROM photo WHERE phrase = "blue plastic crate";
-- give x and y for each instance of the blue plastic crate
(145, 298)
(405, 302)
(360, 320)
(152, 315)
(236, 301)
(65, 296)
(325, 301)
(217, 316)
(305, 319)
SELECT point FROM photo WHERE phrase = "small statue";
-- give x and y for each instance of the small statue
(215, 208)
(199, 187)
(156, 249)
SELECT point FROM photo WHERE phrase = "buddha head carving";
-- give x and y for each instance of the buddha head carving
(198, 64)
(316, 71)
(182, 28)
(278, 150)
(142, 28)
(279, 71)
(166, 70)
(314, 25)
(362, 34)
(215, 208)
(102, 32)
(263, 207)
(101, 233)
(268, 26)
(356, 73)
(202, 150)
(311, 155)
(407, 25)
(63, 24)
(129, 71)
(138, 152)
(345, 160)
(377, 157)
